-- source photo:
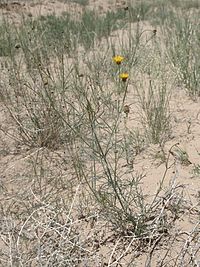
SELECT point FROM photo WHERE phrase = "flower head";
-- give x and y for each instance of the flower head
(118, 59)
(124, 76)
(154, 31)
(126, 110)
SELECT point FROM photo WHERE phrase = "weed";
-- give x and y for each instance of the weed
(81, 2)
(7, 40)
(196, 170)
(138, 141)
(181, 37)
(181, 155)
(155, 106)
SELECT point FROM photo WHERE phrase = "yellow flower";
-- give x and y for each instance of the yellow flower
(124, 76)
(118, 59)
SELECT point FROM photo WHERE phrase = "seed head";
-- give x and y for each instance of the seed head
(126, 110)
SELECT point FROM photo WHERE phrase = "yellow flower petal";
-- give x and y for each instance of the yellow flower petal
(124, 76)
(118, 59)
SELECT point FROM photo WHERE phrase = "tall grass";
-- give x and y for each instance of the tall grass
(182, 37)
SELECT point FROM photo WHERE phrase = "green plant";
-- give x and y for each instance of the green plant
(185, 4)
(140, 11)
(181, 43)
(7, 39)
(137, 141)
(81, 2)
(181, 155)
(196, 170)
(154, 103)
